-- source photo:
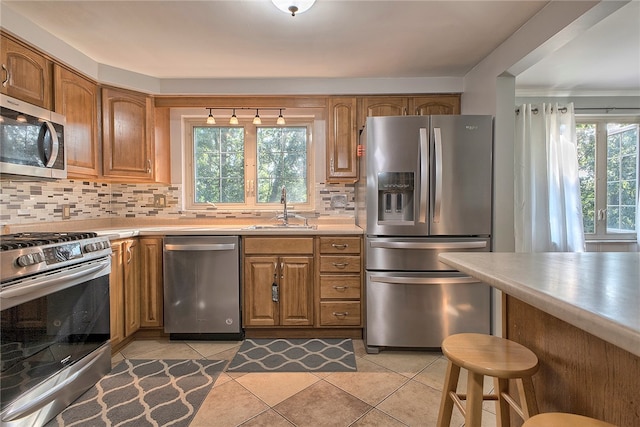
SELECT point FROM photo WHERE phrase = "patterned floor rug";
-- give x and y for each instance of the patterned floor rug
(144, 393)
(294, 355)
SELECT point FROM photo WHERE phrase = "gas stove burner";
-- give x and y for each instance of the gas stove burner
(24, 240)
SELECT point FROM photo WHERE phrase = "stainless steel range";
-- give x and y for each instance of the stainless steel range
(54, 302)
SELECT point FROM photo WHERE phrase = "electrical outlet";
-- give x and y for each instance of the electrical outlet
(159, 201)
(338, 201)
(66, 211)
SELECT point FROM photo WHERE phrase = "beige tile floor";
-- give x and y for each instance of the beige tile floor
(392, 388)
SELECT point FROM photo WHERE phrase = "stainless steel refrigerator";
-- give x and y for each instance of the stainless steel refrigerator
(428, 191)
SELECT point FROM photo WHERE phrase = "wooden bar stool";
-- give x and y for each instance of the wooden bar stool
(557, 419)
(485, 355)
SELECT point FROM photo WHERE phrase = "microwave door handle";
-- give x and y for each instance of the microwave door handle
(55, 145)
(437, 204)
(423, 154)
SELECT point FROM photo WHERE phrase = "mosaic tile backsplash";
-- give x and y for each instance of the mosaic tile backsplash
(24, 202)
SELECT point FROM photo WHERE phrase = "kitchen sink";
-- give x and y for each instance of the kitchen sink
(281, 226)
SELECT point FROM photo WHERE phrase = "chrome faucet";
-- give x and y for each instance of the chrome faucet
(283, 200)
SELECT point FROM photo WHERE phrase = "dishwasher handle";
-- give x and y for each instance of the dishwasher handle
(201, 247)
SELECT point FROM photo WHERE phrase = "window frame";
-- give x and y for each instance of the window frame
(600, 224)
(250, 166)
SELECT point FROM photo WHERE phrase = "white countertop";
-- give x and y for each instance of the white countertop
(596, 292)
(227, 230)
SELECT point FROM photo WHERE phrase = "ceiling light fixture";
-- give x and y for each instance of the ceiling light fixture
(234, 119)
(211, 120)
(293, 6)
(256, 119)
(280, 120)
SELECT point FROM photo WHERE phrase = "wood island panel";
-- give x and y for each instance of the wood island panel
(579, 373)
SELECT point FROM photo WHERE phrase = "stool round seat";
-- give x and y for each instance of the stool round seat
(487, 356)
(490, 355)
(557, 419)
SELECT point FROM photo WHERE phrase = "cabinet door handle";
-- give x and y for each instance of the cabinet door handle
(341, 313)
(148, 165)
(6, 75)
(340, 245)
(340, 288)
(340, 264)
(129, 255)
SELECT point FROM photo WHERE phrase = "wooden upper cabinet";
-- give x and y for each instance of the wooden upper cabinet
(127, 135)
(26, 74)
(342, 140)
(374, 106)
(434, 104)
(77, 99)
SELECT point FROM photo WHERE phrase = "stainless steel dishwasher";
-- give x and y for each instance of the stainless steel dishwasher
(202, 287)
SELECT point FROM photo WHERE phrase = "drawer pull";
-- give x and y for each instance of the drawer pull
(341, 313)
(340, 245)
(340, 288)
(340, 264)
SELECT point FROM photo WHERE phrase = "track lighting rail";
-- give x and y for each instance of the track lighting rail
(234, 119)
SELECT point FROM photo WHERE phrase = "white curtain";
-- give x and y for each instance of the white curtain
(548, 211)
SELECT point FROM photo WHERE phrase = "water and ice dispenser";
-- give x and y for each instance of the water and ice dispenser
(395, 197)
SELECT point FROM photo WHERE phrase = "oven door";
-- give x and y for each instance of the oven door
(54, 340)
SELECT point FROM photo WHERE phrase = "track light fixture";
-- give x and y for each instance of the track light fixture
(257, 120)
(211, 120)
(234, 119)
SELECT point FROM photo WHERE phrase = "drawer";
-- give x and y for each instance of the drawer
(340, 287)
(340, 313)
(278, 245)
(339, 264)
(340, 245)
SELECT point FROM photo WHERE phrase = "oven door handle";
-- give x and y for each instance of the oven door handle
(13, 414)
(56, 281)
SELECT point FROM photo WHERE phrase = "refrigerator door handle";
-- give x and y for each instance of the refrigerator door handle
(437, 197)
(430, 245)
(424, 174)
(424, 280)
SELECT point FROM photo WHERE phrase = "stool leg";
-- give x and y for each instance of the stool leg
(473, 410)
(503, 417)
(446, 404)
(527, 397)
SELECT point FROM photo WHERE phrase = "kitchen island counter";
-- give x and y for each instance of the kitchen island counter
(596, 292)
(579, 312)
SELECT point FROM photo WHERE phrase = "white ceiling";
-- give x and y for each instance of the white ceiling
(335, 39)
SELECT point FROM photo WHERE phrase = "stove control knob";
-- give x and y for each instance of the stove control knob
(91, 247)
(30, 259)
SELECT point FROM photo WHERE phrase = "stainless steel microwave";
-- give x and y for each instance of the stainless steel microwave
(31, 140)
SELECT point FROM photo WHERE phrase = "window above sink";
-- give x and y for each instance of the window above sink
(244, 166)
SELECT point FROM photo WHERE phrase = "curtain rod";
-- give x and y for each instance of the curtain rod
(607, 109)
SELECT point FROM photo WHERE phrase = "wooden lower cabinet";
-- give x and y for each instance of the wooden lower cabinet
(278, 291)
(151, 280)
(124, 291)
(340, 281)
(302, 286)
(278, 282)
